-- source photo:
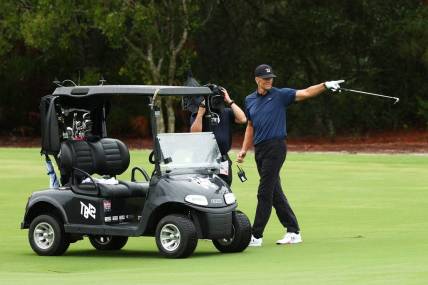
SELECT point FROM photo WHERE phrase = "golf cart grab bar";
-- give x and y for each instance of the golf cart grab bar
(73, 177)
(142, 171)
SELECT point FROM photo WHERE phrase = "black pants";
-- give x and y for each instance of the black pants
(270, 156)
(227, 178)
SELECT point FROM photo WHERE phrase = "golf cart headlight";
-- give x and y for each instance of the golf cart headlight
(197, 200)
(229, 198)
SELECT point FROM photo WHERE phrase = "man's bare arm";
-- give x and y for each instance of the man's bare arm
(196, 127)
(248, 141)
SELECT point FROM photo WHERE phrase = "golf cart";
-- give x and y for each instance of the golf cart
(183, 200)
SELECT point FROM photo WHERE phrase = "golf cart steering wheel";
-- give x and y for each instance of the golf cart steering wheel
(146, 176)
(152, 157)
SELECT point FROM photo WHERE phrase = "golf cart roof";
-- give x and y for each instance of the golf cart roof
(142, 90)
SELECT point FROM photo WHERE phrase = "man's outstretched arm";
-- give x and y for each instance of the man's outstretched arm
(317, 89)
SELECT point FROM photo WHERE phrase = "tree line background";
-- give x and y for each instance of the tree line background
(375, 45)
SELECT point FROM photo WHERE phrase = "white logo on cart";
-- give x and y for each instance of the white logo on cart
(87, 211)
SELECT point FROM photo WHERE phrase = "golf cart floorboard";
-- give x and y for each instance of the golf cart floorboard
(127, 229)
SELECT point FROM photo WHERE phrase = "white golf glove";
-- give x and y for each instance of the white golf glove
(333, 85)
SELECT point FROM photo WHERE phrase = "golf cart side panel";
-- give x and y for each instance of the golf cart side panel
(80, 209)
(83, 209)
(94, 210)
(46, 201)
(116, 216)
(73, 208)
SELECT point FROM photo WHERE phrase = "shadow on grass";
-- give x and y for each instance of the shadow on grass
(90, 253)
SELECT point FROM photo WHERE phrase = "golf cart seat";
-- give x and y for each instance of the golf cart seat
(105, 157)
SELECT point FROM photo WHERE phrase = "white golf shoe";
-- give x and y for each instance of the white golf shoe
(290, 238)
(255, 241)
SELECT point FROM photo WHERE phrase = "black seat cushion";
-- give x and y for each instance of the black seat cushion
(123, 189)
(139, 189)
(112, 191)
(105, 190)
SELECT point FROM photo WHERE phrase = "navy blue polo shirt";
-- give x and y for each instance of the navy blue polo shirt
(268, 113)
(222, 131)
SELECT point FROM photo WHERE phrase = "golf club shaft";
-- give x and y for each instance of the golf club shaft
(372, 94)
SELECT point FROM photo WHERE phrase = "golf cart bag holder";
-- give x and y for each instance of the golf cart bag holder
(56, 112)
(49, 126)
(105, 157)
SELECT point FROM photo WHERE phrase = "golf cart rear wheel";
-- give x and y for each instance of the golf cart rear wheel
(46, 236)
(176, 236)
(241, 235)
(108, 242)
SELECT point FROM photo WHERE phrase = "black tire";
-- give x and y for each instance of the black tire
(46, 236)
(108, 242)
(241, 235)
(186, 241)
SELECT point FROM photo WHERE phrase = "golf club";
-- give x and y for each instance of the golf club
(372, 94)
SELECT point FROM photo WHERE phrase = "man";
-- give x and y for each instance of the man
(266, 130)
(222, 131)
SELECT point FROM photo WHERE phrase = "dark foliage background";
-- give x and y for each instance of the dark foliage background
(377, 46)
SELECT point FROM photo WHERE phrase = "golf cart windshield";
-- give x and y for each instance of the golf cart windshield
(182, 151)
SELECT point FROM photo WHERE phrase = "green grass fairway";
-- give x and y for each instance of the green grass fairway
(364, 220)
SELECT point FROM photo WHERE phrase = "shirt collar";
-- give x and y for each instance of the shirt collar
(260, 95)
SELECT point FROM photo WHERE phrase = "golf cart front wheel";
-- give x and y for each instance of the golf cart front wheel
(108, 242)
(176, 236)
(241, 235)
(46, 236)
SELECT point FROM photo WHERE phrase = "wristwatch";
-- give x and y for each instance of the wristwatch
(231, 102)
